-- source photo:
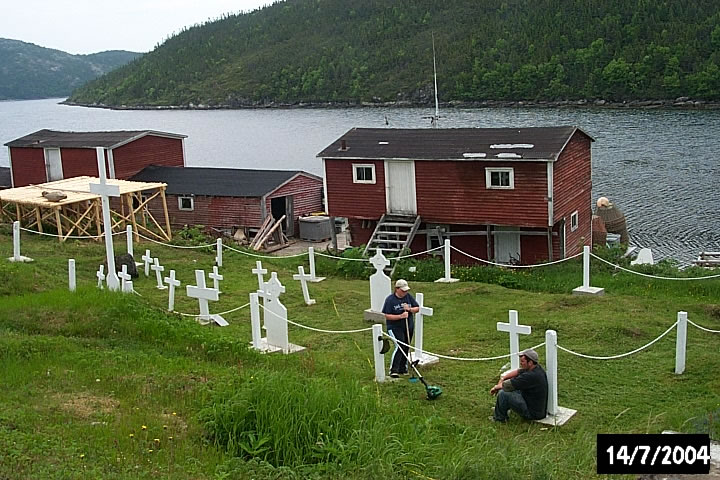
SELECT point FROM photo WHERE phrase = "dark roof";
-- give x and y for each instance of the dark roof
(534, 143)
(218, 182)
(5, 181)
(55, 139)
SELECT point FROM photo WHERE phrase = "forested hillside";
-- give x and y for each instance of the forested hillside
(381, 50)
(29, 71)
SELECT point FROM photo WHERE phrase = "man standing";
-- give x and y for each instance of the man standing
(398, 309)
(523, 390)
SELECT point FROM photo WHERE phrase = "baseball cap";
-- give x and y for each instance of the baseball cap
(402, 285)
(530, 354)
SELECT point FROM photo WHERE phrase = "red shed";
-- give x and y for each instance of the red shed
(49, 155)
(512, 195)
(227, 198)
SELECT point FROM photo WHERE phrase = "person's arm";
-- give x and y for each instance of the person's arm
(411, 305)
(392, 317)
(505, 377)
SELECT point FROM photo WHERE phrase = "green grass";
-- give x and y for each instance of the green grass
(83, 372)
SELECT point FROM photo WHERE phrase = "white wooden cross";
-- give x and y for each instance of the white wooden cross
(275, 313)
(304, 278)
(100, 276)
(514, 329)
(203, 295)
(148, 261)
(216, 277)
(260, 272)
(379, 282)
(158, 269)
(422, 357)
(127, 285)
(106, 191)
(172, 282)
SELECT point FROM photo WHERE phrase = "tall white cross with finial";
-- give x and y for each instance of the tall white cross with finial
(203, 295)
(379, 282)
(158, 269)
(172, 283)
(106, 191)
(514, 329)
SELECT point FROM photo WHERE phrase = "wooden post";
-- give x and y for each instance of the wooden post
(167, 216)
(17, 213)
(39, 219)
(59, 223)
(97, 217)
(132, 217)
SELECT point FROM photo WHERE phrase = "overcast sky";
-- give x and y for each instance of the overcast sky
(89, 26)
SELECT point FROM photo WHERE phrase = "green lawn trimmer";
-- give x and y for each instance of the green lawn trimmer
(432, 391)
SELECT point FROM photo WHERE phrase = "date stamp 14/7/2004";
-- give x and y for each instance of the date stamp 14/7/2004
(653, 453)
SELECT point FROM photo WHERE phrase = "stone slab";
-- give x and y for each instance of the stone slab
(374, 317)
(20, 259)
(447, 280)
(588, 291)
(266, 348)
(425, 359)
(560, 419)
(316, 279)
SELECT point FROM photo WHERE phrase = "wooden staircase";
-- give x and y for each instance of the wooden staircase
(393, 234)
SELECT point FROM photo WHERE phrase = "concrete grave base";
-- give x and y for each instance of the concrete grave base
(316, 279)
(267, 348)
(21, 259)
(560, 419)
(588, 291)
(425, 359)
(373, 316)
(447, 280)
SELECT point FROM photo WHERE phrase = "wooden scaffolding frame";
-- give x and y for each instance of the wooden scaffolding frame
(80, 213)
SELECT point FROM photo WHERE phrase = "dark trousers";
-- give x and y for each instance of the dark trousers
(398, 331)
(507, 401)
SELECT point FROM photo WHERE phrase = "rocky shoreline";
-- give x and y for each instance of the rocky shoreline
(678, 103)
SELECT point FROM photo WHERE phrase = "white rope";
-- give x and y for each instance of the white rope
(416, 254)
(263, 256)
(174, 246)
(342, 258)
(703, 328)
(221, 313)
(478, 359)
(514, 266)
(653, 276)
(390, 259)
(313, 328)
(593, 357)
(67, 236)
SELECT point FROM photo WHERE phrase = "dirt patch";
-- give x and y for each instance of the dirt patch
(713, 310)
(86, 405)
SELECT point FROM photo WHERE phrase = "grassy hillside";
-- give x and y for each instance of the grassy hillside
(101, 385)
(28, 71)
(381, 50)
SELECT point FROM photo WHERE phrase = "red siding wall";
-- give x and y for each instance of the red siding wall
(148, 150)
(572, 191)
(218, 212)
(77, 162)
(455, 192)
(354, 200)
(28, 166)
(307, 196)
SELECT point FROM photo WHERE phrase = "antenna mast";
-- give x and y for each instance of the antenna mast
(435, 119)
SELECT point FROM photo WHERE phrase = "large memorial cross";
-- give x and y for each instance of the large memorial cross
(106, 191)
(514, 330)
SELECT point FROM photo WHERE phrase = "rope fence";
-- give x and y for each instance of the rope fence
(67, 236)
(312, 328)
(505, 265)
(702, 328)
(647, 275)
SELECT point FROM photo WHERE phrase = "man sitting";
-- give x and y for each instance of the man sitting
(524, 390)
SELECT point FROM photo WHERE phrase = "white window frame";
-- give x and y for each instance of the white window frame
(186, 197)
(355, 167)
(488, 177)
(574, 221)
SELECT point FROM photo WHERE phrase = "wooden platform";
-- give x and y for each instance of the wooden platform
(708, 259)
(80, 212)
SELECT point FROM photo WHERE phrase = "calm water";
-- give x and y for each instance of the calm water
(660, 167)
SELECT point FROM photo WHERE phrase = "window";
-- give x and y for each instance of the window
(574, 221)
(363, 173)
(186, 202)
(499, 178)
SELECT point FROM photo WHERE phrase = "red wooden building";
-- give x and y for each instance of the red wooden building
(227, 198)
(48, 155)
(512, 195)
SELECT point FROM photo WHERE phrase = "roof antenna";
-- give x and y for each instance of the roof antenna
(434, 119)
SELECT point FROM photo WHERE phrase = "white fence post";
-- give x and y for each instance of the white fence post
(129, 235)
(71, 274)
(680, 343)
(446, 254)
(586, 289)
(218, 255)
(311, 259)
(255, 321)
(16, 245)
(551, 370)
(377, 336)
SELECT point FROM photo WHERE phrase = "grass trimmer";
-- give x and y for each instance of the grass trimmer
(432, 391)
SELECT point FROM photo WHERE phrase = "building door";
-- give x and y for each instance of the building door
(400, 187)
(53, 164)
(507, 245)
(280, 206)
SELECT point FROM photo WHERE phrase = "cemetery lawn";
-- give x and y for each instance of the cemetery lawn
(105, 385)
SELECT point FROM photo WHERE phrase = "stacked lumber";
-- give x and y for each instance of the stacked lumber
(708, 259)
(270, 235)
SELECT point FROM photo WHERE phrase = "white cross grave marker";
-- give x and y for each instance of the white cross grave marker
(422, 357)
(216, 277)
(158, 269)
(304, 278)
(148, 261)
(106, 191)
(100, 276)
(275, 313)
(379, 288)
(514, 329)
(260, 272)
(172, 282)
(311, 260)
(203, 295)
(127, 285)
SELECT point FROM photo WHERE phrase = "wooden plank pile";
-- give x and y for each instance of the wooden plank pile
(270, 236)
(708, 259)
